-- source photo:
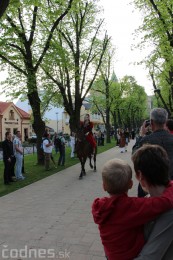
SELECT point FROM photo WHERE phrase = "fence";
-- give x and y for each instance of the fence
(27, 150)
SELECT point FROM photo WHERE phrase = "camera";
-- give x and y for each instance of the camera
(147, 123)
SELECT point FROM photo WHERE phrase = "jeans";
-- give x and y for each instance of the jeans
(19, 161)
(61, 160)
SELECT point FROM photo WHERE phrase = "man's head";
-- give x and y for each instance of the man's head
(18, 134)
(87, 117)
(158, 118)
(46, 135)
(117, 176)
(8, 135)
(151, 164)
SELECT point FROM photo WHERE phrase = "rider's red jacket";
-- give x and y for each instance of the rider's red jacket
(88, 132)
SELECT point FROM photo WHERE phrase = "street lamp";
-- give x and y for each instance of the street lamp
(57, 120)
(62, 121)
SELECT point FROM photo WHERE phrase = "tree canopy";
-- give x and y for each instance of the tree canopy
(158, 33)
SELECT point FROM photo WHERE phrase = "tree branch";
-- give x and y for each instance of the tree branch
(12, 64)
(33, 25)
(56, 23)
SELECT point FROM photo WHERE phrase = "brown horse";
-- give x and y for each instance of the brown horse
(84, 150)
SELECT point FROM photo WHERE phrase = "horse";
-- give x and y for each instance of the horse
(84, 150)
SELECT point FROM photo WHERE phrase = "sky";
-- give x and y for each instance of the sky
(121, 21)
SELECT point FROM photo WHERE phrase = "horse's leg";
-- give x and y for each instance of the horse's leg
(81, 173)
(90, 161)
(84, 161)
(95, 163)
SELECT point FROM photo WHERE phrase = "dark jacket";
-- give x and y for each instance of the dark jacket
(161, 137)
(7, 147)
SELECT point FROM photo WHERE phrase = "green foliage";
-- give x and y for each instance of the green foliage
(157, 30)
(128, 101)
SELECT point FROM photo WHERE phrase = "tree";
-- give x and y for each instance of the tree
(3, 6)
(103, 86)
(127, 102)
(158, 29)
(134, 102)
(26, 35)
(82, 49)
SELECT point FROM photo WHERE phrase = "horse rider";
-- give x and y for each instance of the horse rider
(87, 126)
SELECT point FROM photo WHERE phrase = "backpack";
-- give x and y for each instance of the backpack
(58, 142)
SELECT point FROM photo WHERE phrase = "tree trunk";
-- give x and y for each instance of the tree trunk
(3, 5)
(108, 138)
(74, 120)
(38, 124)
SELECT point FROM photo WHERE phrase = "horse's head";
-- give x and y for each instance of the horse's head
(80, 136)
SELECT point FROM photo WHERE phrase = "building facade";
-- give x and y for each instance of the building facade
(13, 119)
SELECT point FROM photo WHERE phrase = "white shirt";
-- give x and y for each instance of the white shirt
(72, 140)
(47, 149)
(17, 142)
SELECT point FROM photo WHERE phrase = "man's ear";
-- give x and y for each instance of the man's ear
(141, 179)
(104, 186)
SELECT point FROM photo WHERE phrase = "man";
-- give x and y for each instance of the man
(47, 148)
(159, 135)
(8, 158)
(61, 160)
(18, 152)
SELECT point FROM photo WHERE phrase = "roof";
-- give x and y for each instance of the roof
(5, 105)
(23, 113)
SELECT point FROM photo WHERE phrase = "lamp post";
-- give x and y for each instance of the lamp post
(62, 122)
(57, 120)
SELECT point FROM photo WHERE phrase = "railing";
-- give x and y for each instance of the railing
(27, 150)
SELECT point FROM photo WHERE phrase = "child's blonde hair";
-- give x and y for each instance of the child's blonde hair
(117, 175)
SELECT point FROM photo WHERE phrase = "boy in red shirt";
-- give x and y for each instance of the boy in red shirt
(121, 218)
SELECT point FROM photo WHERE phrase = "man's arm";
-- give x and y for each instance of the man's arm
(17, 148)
(141, 139)
(5, 150)
(160, 239)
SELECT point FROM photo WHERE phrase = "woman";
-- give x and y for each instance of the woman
(72, 144)
(87, 126)
(151, 166)
(122, 143)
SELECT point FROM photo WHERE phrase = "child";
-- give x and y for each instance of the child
(121, 218)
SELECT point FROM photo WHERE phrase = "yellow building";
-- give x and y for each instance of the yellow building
(13, 119)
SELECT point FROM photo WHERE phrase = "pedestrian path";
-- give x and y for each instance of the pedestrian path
(51, 219)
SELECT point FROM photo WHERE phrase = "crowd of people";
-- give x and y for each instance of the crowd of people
(140, 227)
(137, 228)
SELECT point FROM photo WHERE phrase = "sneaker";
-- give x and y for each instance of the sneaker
(21, 178)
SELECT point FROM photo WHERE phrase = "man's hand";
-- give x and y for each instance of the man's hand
(87, 133)
(143, 129)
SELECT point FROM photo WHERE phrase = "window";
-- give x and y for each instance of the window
(11, 115)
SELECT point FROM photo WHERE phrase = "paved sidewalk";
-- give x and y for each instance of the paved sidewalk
(54, 214)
